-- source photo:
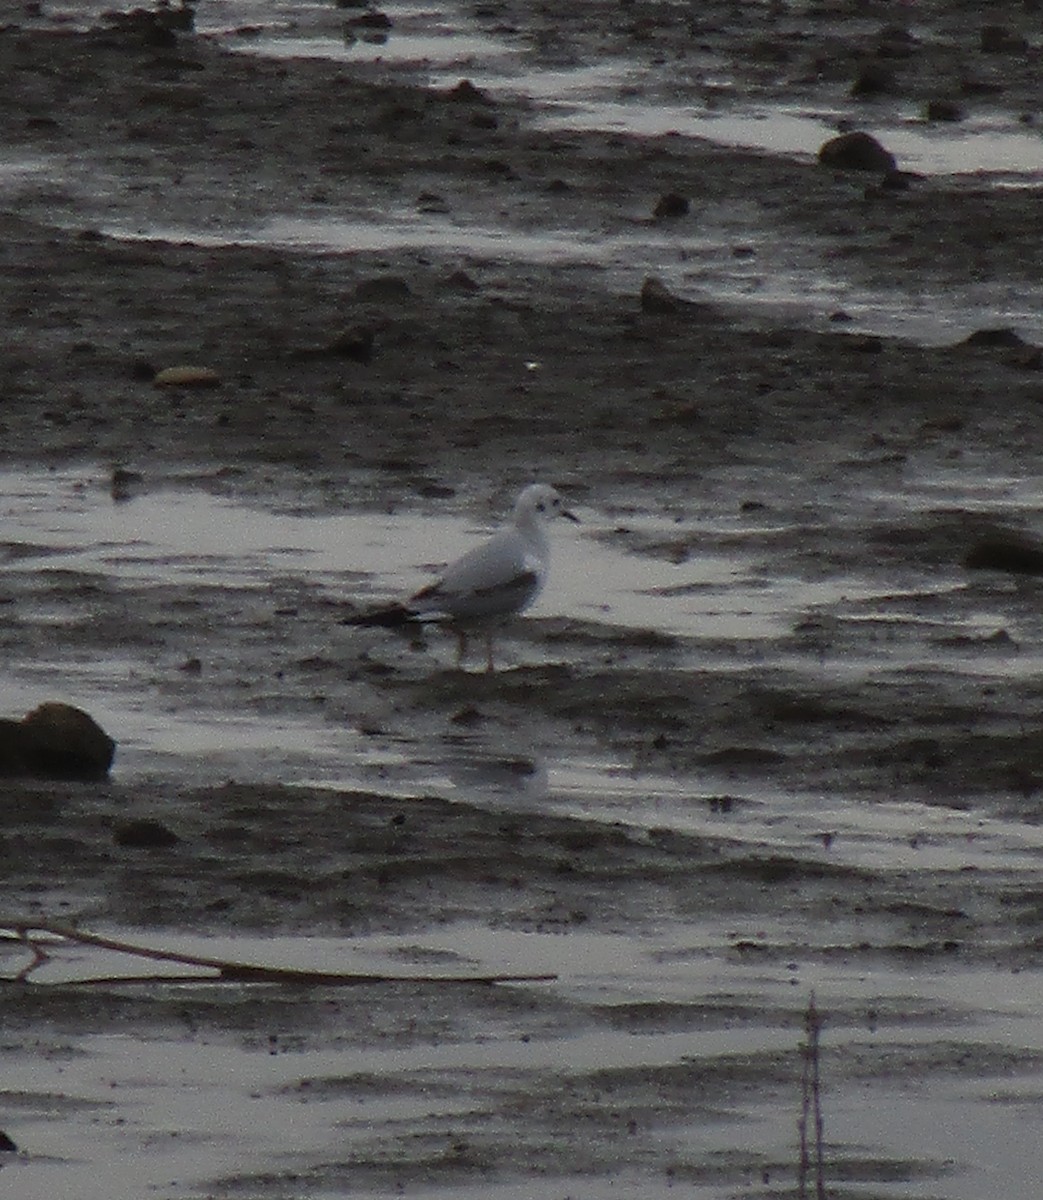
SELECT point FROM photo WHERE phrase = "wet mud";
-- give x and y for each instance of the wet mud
(765, 734)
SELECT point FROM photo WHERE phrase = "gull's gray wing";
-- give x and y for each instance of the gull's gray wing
(496, 579)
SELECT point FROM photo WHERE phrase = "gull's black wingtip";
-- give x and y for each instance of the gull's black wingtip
(387, 618)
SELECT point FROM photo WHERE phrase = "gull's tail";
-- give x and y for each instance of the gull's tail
(392, 617)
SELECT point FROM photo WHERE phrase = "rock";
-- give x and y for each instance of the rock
(373, 19)
(1011, 552)
(14, 758)
(157, 27)
(7, 1146)
(187, 377)
(856, 151)
(55, 741)
(657, 298)
(122, 483)
(897, 181)
(1030, 358)
(142, 370)
(1000, 336)
(671, 205)
(466, 92)
(973, 86)
(431, 202)
(460, 281)
(997, 39)
(382, 289)
(873, 80)
(356, 344)
(943, 110)
(144, 834)
(896, 41)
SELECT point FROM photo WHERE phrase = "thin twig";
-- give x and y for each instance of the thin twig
(227, 971)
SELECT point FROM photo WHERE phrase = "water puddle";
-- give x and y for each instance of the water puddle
(983, 147)
(72, 553)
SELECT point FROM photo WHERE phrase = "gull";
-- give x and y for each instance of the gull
(488, 584)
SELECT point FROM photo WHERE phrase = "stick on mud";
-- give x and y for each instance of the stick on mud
(811, 1164)
(224, 970)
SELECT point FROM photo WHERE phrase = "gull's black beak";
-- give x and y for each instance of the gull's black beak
(571, 515)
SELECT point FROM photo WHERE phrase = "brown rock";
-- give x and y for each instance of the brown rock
(856, 151)
(383, 289)
(874, 79)
(671, 205)
(144, 834)
(996, 39)
(943, 110)
(187, 377)
(466, 92)
(63, 742)
(1010, 552)
(657, 298)
(1001, 337)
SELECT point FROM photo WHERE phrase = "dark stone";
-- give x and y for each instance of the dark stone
(1001, 336)
(671, 205)
(873, 80)
(462, 282)
(466, 92)
(981, 87)
(123, 482)
(374, 19)
(997, 39)
(1014, 553)
(7, 1146)
(431, 202)
(657, 298)
(142, 370)
(943, 110)
(14, 753)
(856, 151)
(55, 741)
(382, 289)
(144, 834)
(355, 344)
(896, 181)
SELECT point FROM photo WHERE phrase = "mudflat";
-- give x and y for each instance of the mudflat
(815, 765)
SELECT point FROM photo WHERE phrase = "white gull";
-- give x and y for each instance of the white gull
(489, 584)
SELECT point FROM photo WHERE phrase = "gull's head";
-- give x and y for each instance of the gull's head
(539, 501)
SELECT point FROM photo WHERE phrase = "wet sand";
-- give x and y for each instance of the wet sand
(783, 741)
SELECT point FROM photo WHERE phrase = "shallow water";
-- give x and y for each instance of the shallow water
(700, 581)
(360, 1089)
(167, 1112)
